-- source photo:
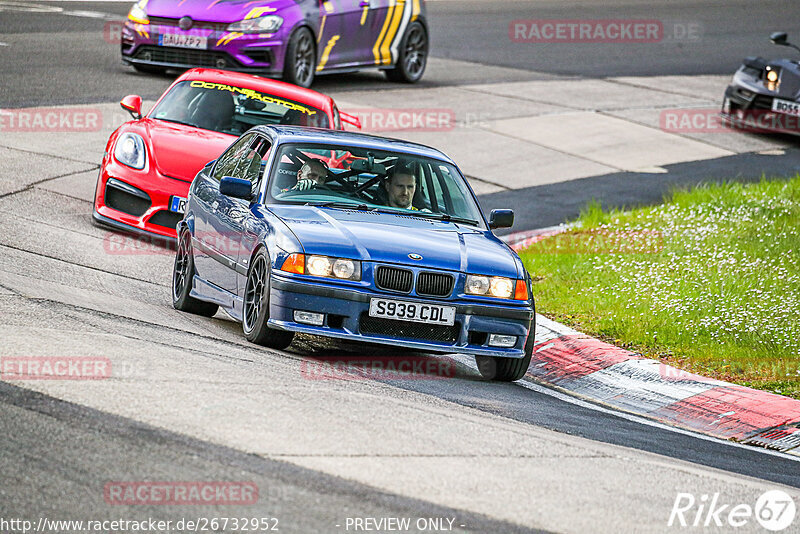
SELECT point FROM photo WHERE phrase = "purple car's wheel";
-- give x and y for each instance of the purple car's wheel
(413, 56)
(301, 58)
(255, 312)
(182, 274)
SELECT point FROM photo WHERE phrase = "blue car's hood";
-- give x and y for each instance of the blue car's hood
(387, 238)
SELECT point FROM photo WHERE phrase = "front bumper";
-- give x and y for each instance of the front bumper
(740, 98)
(137, 201)
(254, 53)
(347, 317)
(751, 111)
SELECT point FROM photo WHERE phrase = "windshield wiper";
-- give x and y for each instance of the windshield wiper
(442, 217)
(176, 121)
(339, 204)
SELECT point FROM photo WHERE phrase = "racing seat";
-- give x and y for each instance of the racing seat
(294, 117)
(286, 177)
(214, 111)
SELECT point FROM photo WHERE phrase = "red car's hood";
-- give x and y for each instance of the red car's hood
(181, 151)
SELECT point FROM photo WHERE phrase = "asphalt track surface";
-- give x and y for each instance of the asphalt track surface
(61, 59)
(55, 454)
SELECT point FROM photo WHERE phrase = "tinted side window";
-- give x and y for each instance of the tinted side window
(251, 165)
(226, 164)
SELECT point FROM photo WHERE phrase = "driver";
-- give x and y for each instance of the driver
(401, 185)
(311, 174)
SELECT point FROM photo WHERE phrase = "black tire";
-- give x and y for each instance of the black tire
(413, 56)
(149, 69)
(182, 274)
(301, 58)
(255, 311)
(508, 369)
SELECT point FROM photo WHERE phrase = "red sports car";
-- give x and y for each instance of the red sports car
(150, 162)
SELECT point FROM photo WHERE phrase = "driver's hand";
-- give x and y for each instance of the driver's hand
(304, 185)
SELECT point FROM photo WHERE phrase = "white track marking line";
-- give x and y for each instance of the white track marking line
(470, 362)
(91, 14)
(6, 5)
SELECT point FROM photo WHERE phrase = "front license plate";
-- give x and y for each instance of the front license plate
(412, 311)
(182, 41)
(786, 106)
(177, 204)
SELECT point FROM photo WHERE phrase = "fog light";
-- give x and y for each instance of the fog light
(315, 319)
(501, 340)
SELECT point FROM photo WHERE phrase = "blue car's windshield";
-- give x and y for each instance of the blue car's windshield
(231, 109)
(363, 178)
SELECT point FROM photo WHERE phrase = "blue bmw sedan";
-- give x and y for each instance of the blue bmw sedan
(356, 237)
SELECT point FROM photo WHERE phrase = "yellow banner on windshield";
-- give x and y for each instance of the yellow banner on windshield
(255, 95)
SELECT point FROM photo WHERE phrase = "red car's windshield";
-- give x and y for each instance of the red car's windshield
(232, 110)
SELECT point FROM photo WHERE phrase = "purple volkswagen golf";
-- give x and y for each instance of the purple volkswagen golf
(292, 39)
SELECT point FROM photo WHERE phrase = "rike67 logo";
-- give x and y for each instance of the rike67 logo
(774, 510)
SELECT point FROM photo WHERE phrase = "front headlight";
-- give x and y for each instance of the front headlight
(324, 266)
(138, 12)
(490, 286)
(129, 150)
(266, 24)
(772, 74)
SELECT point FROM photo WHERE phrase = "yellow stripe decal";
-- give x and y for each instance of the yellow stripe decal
(322, 27)
(258, 11)
(224, 36)
(327, 52)
(415, 11)
(228, 37)
(376, 48)
(386, 54)
(364, 14)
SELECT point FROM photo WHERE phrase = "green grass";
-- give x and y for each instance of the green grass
(708, 282)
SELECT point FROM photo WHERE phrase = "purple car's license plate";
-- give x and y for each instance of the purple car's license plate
(182, 40)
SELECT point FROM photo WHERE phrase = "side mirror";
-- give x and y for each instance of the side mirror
(779, 38)
(236, 187)
(133, 105)
(501, 219)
